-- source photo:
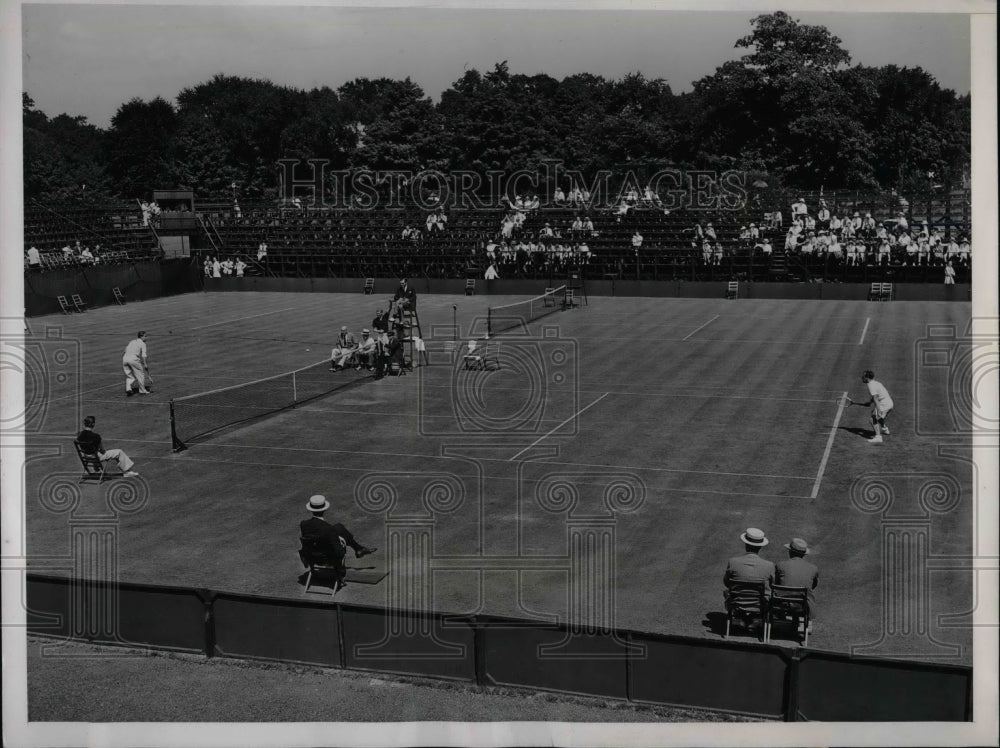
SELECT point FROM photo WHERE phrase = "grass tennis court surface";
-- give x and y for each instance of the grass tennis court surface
(691, 418)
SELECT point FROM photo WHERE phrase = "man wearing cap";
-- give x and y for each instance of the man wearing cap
(335, 538)
(749, 567)
(392, 353)
(343, 349)
(799, 209)
(795, 571)
(365, 354)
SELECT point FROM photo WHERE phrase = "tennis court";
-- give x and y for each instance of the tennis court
(690, 418)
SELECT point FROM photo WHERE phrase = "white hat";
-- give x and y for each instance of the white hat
(753, 536)
(318, 503)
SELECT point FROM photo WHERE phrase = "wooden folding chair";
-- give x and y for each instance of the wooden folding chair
(788, 605)
(478, 358)
(64, 304)
(470, 286)
(79, 303)
(746, 603)
(119, 296)
(886, 294)
(733, 290)
(369, 287)
(94, 468)
(316, 558)
(548, 299)
(875, 292)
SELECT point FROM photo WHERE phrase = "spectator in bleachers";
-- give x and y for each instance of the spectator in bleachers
(207, 265)
(799, 209)
(749, 567)
(965, 251)
(744, 234)
(795, 571)
(706, 252)
(809, 223)
(583, 252)
(901, 223)
(240, 267)
(636, 239)
(846, 228)
(718, 254)
(67, 252)
(833, 248)
(261, 251)
(87, 257)
(34, 258)
(867, 226)
(216, 268)
(343, 350)
(227, 267)
(577, 225)
(884, 252)
(823, 216)
(923, 251)
(546, 232)
(949, 274)
(431, 222)
(776, 220)
(559, 197)
(836, 224)
(650, 195)
(856, 222)
(754, 232)
(792, 238)
(710, 232)
(765, 247)
(491, 272)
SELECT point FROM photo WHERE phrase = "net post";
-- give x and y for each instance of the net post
(489, 322)
(295, 389)
(178, 445)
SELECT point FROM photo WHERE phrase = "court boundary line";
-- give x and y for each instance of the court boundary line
(561, 463)
(864, 331)
(829, 446)
(252, 316)
(700, 328)
(540, 439)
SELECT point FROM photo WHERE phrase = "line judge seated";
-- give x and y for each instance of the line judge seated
(343, 350)
(91, 444)
(405, 297)
(749, 566)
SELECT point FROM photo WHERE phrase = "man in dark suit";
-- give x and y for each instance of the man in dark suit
(749, 567)
(795, 571)
(406, 297)
(333, 539)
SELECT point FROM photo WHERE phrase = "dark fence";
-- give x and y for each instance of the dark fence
(385, 287)
(738, 677)
(137, 281)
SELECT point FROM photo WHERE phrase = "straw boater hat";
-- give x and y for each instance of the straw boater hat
(798, 545)
(753, 536)
(317, 503)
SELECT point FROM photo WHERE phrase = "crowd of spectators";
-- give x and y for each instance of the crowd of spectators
(77, 254)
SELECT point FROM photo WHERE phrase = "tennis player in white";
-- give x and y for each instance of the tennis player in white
(881, 404)
(135, 365)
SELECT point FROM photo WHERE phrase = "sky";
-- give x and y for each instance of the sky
(89, 59)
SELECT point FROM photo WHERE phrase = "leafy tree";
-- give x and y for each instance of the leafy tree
(138, 146)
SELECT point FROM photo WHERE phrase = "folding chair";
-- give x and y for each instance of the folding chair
(64, 304)
(733, 290)
(875, 292)
(78, 303)
(470, 286)
(788, 605)
(316, 558)
(886, 292)
(548, 299)
(94, 468)
(746, 603)
(369, 288)
(476, 358)
(569, 298)
(119, 296)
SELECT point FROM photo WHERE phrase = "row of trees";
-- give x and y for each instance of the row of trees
(791, 108)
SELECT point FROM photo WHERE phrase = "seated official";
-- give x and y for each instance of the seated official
(381, 321)
(405, 297)
(91, 444)
(393, 352)
(795, 571)
(365, 353)
(343, 350)
(333, 538)
(749, 567)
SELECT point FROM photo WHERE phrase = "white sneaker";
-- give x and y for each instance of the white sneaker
(876, 440)
(143, 392)
(131, 474)
(885, 430)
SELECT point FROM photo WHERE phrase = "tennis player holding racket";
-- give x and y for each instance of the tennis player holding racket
(881, 404)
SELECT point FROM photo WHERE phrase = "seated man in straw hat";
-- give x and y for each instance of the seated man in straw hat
(749, 567)
(795, 571)
(334, 537)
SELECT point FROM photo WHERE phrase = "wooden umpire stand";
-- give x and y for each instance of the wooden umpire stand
(576, 288)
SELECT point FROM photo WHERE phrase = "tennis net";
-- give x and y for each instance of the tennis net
(196, 417)
(508, 316)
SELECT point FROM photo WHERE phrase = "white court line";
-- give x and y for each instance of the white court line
(863, 332)
(542, 438)
(484, 459)
(829, 446)
(252, 316)
(702, 327)
(77, 394)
